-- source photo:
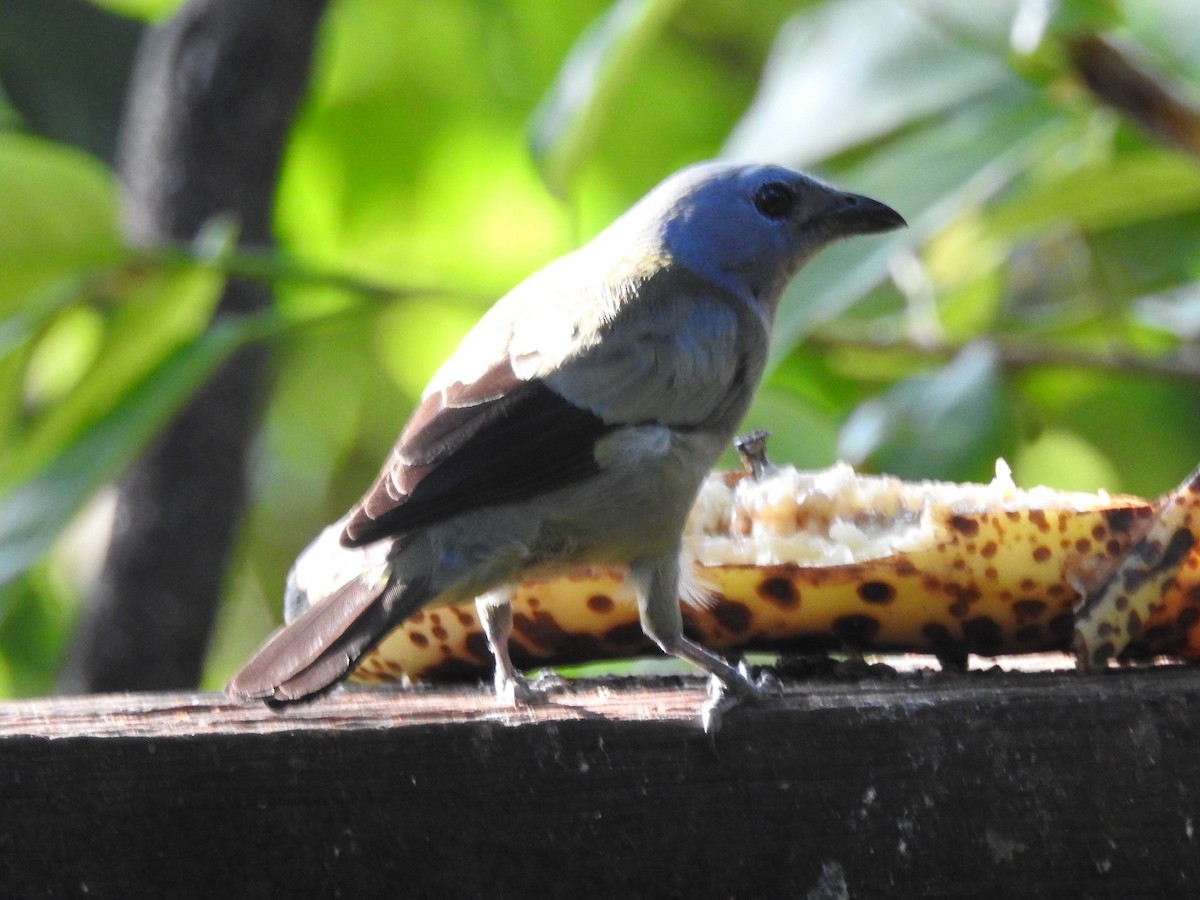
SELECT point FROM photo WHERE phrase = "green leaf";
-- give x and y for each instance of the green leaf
(1146, 427)
(930, 176)
(565, 125)
(34, 509)
(1134, 188)
(166, 312)
(59, 217)
(1066, 461)
(801, 434)
(21, 326)
(1070, 17)
(65, 67)
(36, 621)
(142, 9)
(945, 425)
(63, 355)
(833, 82)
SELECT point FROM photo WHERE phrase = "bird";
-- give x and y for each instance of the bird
(572, 426)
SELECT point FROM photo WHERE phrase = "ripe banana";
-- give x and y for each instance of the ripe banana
(786, 560)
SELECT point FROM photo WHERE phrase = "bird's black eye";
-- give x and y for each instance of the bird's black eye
(774, 199)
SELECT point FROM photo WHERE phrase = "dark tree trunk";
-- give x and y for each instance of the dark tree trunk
(212, 97)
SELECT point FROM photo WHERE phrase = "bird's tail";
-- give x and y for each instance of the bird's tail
(311, 653)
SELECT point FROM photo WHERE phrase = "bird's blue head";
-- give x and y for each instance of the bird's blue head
(749, 228)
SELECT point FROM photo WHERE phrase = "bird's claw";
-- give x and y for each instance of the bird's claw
(513, 689)
(547, 681)
(724, 694)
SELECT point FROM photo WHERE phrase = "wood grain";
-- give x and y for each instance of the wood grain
(984, 784)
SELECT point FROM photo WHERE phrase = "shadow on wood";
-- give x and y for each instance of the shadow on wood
(986, 784)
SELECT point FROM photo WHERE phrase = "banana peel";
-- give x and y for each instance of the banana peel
(783, 560)
(1150, 600)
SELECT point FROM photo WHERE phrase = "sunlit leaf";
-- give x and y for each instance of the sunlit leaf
(59, 215)
(565, 125)
(35, 508)
(1067, 461)
(1070, 17)
(38, 308)
(144, 330)
(833, 83)
(142, 9)
(62, 355)
(1147, 185)
(1146, 427)
(930, 176)
(801, 434)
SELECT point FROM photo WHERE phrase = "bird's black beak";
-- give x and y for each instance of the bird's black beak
(853, 214)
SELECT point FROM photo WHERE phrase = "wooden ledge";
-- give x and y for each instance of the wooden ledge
(985, 784)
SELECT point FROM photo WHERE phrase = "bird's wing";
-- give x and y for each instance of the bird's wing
(498, 439)
(323, 643)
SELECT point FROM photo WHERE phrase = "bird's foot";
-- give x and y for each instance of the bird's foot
(547, 681)
(514, 689)
(725, 694)
(511, 688)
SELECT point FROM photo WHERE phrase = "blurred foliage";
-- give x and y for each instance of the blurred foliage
(65, 65)
(1043, 305)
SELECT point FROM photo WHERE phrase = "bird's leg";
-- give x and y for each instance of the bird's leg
(496, 615)
(657, 582)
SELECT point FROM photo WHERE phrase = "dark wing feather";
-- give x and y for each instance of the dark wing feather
(499, 439)
(314, 651)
